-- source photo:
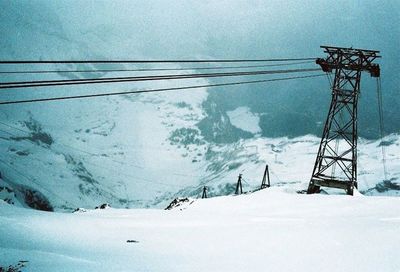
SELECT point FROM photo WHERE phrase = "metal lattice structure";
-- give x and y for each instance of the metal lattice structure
(265, 183)
(204, 195)
(336, 163)
(239, 188)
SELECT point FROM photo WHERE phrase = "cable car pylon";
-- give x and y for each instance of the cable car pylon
(336, 162)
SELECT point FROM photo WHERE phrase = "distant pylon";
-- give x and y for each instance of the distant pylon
(204, 192)
(239, 189)
(265, 181)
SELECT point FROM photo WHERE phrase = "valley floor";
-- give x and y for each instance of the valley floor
(269, 230)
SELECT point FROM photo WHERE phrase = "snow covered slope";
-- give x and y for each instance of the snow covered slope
(143, 151)
(269, 230)
(121, 150)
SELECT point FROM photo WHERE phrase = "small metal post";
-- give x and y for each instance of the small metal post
(264, 183)
(204, 192)
(239, 189)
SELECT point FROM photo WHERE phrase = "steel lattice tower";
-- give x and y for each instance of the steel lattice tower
(336, 163)
(265, 183)
(204, 195)
(239, 188)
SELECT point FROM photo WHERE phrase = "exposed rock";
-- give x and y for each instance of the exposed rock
(103, 206)
(36, 200)
(79, 210)
(179, 202)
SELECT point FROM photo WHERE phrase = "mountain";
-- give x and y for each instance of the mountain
(144, 150)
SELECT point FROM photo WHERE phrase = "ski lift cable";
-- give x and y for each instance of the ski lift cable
(381, 125)
(153, 90)
(102, 166)
(32, 180)
(64, 82)
(149, 69)
(151, 61)
(65, 145)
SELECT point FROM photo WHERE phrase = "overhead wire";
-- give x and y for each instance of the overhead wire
(164, 77)
(111, 170)
(65, 145)
(168, 185)
(381, 124)
(121, 173)
(200, 186)
(151, 61)
(97, 165)
(47, 83)
(28, 84)
(150, 69)
(329, 77)
(153, 90)
(33, 180)
(276, 176)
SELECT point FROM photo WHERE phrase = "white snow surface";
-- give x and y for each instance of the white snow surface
(125, 149)
(270, 230)
(243, 118)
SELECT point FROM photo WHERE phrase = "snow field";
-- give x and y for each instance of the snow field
(269, 230)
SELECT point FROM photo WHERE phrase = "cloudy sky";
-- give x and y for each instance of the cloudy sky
(212, 29)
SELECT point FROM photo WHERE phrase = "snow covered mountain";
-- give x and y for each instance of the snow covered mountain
(147, 150)
(144, 150)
